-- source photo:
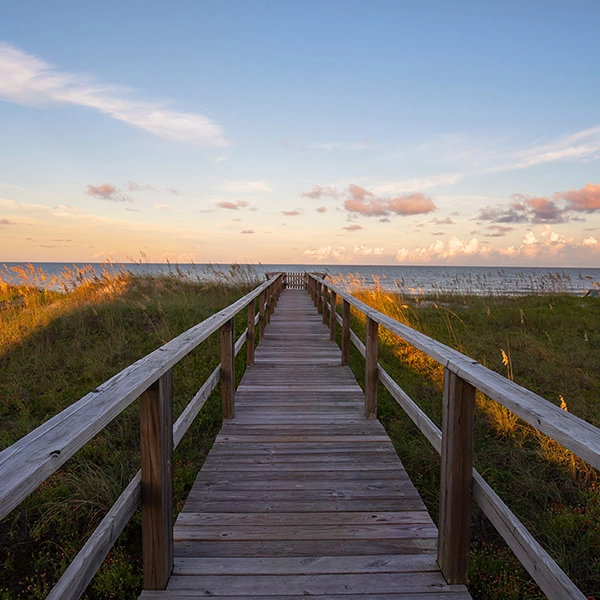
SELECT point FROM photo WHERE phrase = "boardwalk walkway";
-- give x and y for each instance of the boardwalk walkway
(301, 496)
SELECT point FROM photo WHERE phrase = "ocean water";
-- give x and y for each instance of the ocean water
(405, 279)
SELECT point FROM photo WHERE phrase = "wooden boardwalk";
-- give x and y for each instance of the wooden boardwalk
(301, 496)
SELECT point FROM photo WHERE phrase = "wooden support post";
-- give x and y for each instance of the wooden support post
(332, 316)
(325, 298)
(156, 442)
(227, 368)
(458, 424)
(345, 333)
(371, 369)
(261, 315)
(320, 297)
(250, 343)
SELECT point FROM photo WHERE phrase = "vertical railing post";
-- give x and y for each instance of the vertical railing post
(345, 333)
(325, 298)
(456, 479)
(261, 314)
(156, 442)
(250, 341)
(227, 368)
(320, 287)
(332, 316)
(371, 369)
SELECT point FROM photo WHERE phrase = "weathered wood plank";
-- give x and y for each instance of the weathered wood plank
(156, 447)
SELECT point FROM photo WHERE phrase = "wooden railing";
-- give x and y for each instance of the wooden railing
(25, 465)
(460, 483)
(295, 281)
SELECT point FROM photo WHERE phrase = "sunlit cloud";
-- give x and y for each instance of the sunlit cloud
(341, 253)
(232, 205)
(320, 192)
(245, 186)
(366, 203)
(524, 209)
(248, 231)
(548, 246)
(107, 191)
(291, 213)
(446, 221)
(587, 199)
(28, 80)
(353, 227)
(4, 222)
(418, 184)
(321, 209)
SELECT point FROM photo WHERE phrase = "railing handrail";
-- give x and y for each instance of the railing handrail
(460, 483)
(572, 432)
(27, 463)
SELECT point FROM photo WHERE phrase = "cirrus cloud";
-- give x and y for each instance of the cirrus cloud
(28, 80)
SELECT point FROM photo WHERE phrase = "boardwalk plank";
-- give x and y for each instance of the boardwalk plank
(301, 495)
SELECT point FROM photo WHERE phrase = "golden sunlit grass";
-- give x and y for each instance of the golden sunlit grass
(60, 338)
(548, 343)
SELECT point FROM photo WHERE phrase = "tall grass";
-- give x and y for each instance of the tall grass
(59, 339)
(548, 343)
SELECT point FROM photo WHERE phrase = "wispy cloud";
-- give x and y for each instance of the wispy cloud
(320, 192)
(353, 227)
(233, 205)
(291, 213)
(248, 231)
(107, 191)
(4, 222)
(245, 186)
(28, 80)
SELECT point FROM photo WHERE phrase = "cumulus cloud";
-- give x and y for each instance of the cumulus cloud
(321, 209)
(559, 209)
(233, 205)
(291, 213)
(28, 80)
(587, 199)
(245, 186)
(366, 203)
(341, 253)
(107, 191)
(548, 246)
(353, 227)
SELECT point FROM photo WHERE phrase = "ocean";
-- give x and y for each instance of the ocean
(405, 279)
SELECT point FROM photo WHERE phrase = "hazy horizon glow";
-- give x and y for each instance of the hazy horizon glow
(379, 133)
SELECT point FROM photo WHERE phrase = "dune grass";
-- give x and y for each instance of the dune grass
(55, 346)
(548, 343)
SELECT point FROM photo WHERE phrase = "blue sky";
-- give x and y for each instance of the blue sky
(380, 132)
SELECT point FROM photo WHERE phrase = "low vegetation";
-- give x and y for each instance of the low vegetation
(56, 344)
(61, 337)
(548, 343)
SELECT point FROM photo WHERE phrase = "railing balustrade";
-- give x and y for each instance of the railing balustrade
(26, 464)
(460, 483)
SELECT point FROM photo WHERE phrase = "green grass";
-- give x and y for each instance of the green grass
(547, 343)
(55, 346)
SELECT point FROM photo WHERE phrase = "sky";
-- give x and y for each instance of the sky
(383, 132)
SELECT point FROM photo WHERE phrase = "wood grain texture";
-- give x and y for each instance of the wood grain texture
(458, 426)
(575, 434)
(156, 445)
(32, 459)
(301, 494)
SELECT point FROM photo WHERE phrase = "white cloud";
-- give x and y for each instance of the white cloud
(28, 80)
